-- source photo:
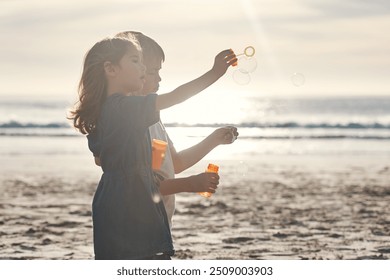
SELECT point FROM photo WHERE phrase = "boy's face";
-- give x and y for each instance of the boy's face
(152, 78)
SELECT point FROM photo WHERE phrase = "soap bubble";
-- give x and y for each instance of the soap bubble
(247, 64)
(241, 78)
(242, 169)
(298, 79)
(156, 198)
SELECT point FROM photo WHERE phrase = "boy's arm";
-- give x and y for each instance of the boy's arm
(187, 158)
(203, 182)
(221, 63)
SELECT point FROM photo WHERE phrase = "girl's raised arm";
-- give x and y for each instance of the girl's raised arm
(221, 63)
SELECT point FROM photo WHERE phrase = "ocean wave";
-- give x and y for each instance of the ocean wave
(322, 125)
(243, 137)
(319, 137)
(351, 125)
(37, 134)
(16, 124)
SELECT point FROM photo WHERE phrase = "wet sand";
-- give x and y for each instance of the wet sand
(295, 215)
(290, 212)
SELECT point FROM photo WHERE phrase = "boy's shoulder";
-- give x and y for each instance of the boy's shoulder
(118, 98)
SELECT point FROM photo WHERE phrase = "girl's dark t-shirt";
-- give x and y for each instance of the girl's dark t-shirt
(129, 218)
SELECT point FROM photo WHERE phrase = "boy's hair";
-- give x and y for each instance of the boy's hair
(92, 87)
(150, 48)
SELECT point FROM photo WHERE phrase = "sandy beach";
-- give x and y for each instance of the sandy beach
(273, 208)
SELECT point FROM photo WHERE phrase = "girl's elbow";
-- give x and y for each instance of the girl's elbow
(178, 170)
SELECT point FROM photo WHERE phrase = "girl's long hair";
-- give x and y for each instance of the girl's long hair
(92, 87)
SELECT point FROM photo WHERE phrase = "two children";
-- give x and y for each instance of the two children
(128, 223)
(175, 162)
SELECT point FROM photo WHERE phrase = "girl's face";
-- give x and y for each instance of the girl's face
(131, 73)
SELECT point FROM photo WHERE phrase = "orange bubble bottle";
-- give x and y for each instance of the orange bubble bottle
(211, 168)
(158, 153)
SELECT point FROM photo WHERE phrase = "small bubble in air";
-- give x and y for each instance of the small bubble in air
(298, 79)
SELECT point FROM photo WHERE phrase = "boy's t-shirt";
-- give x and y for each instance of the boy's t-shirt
(127, 222)
(157, 131)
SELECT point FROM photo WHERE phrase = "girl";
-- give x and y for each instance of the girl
(128, 223)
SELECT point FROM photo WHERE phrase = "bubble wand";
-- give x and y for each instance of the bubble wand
(246, 64)
(248, 52)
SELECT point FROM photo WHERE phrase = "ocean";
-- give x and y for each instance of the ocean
(307, 178)
(280, 128)
(294, 118)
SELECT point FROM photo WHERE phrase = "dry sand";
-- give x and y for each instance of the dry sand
(275, 213)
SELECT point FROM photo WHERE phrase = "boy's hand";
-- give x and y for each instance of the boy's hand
(222, 62)
(204, 182)
(225, 135)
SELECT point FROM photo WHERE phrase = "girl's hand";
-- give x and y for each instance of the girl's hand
(204, 182)
(225, 135)
(222, 62)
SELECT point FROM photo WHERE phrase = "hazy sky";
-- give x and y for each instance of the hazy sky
(340, 47)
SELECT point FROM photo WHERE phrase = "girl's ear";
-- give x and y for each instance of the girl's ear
(109, 68)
